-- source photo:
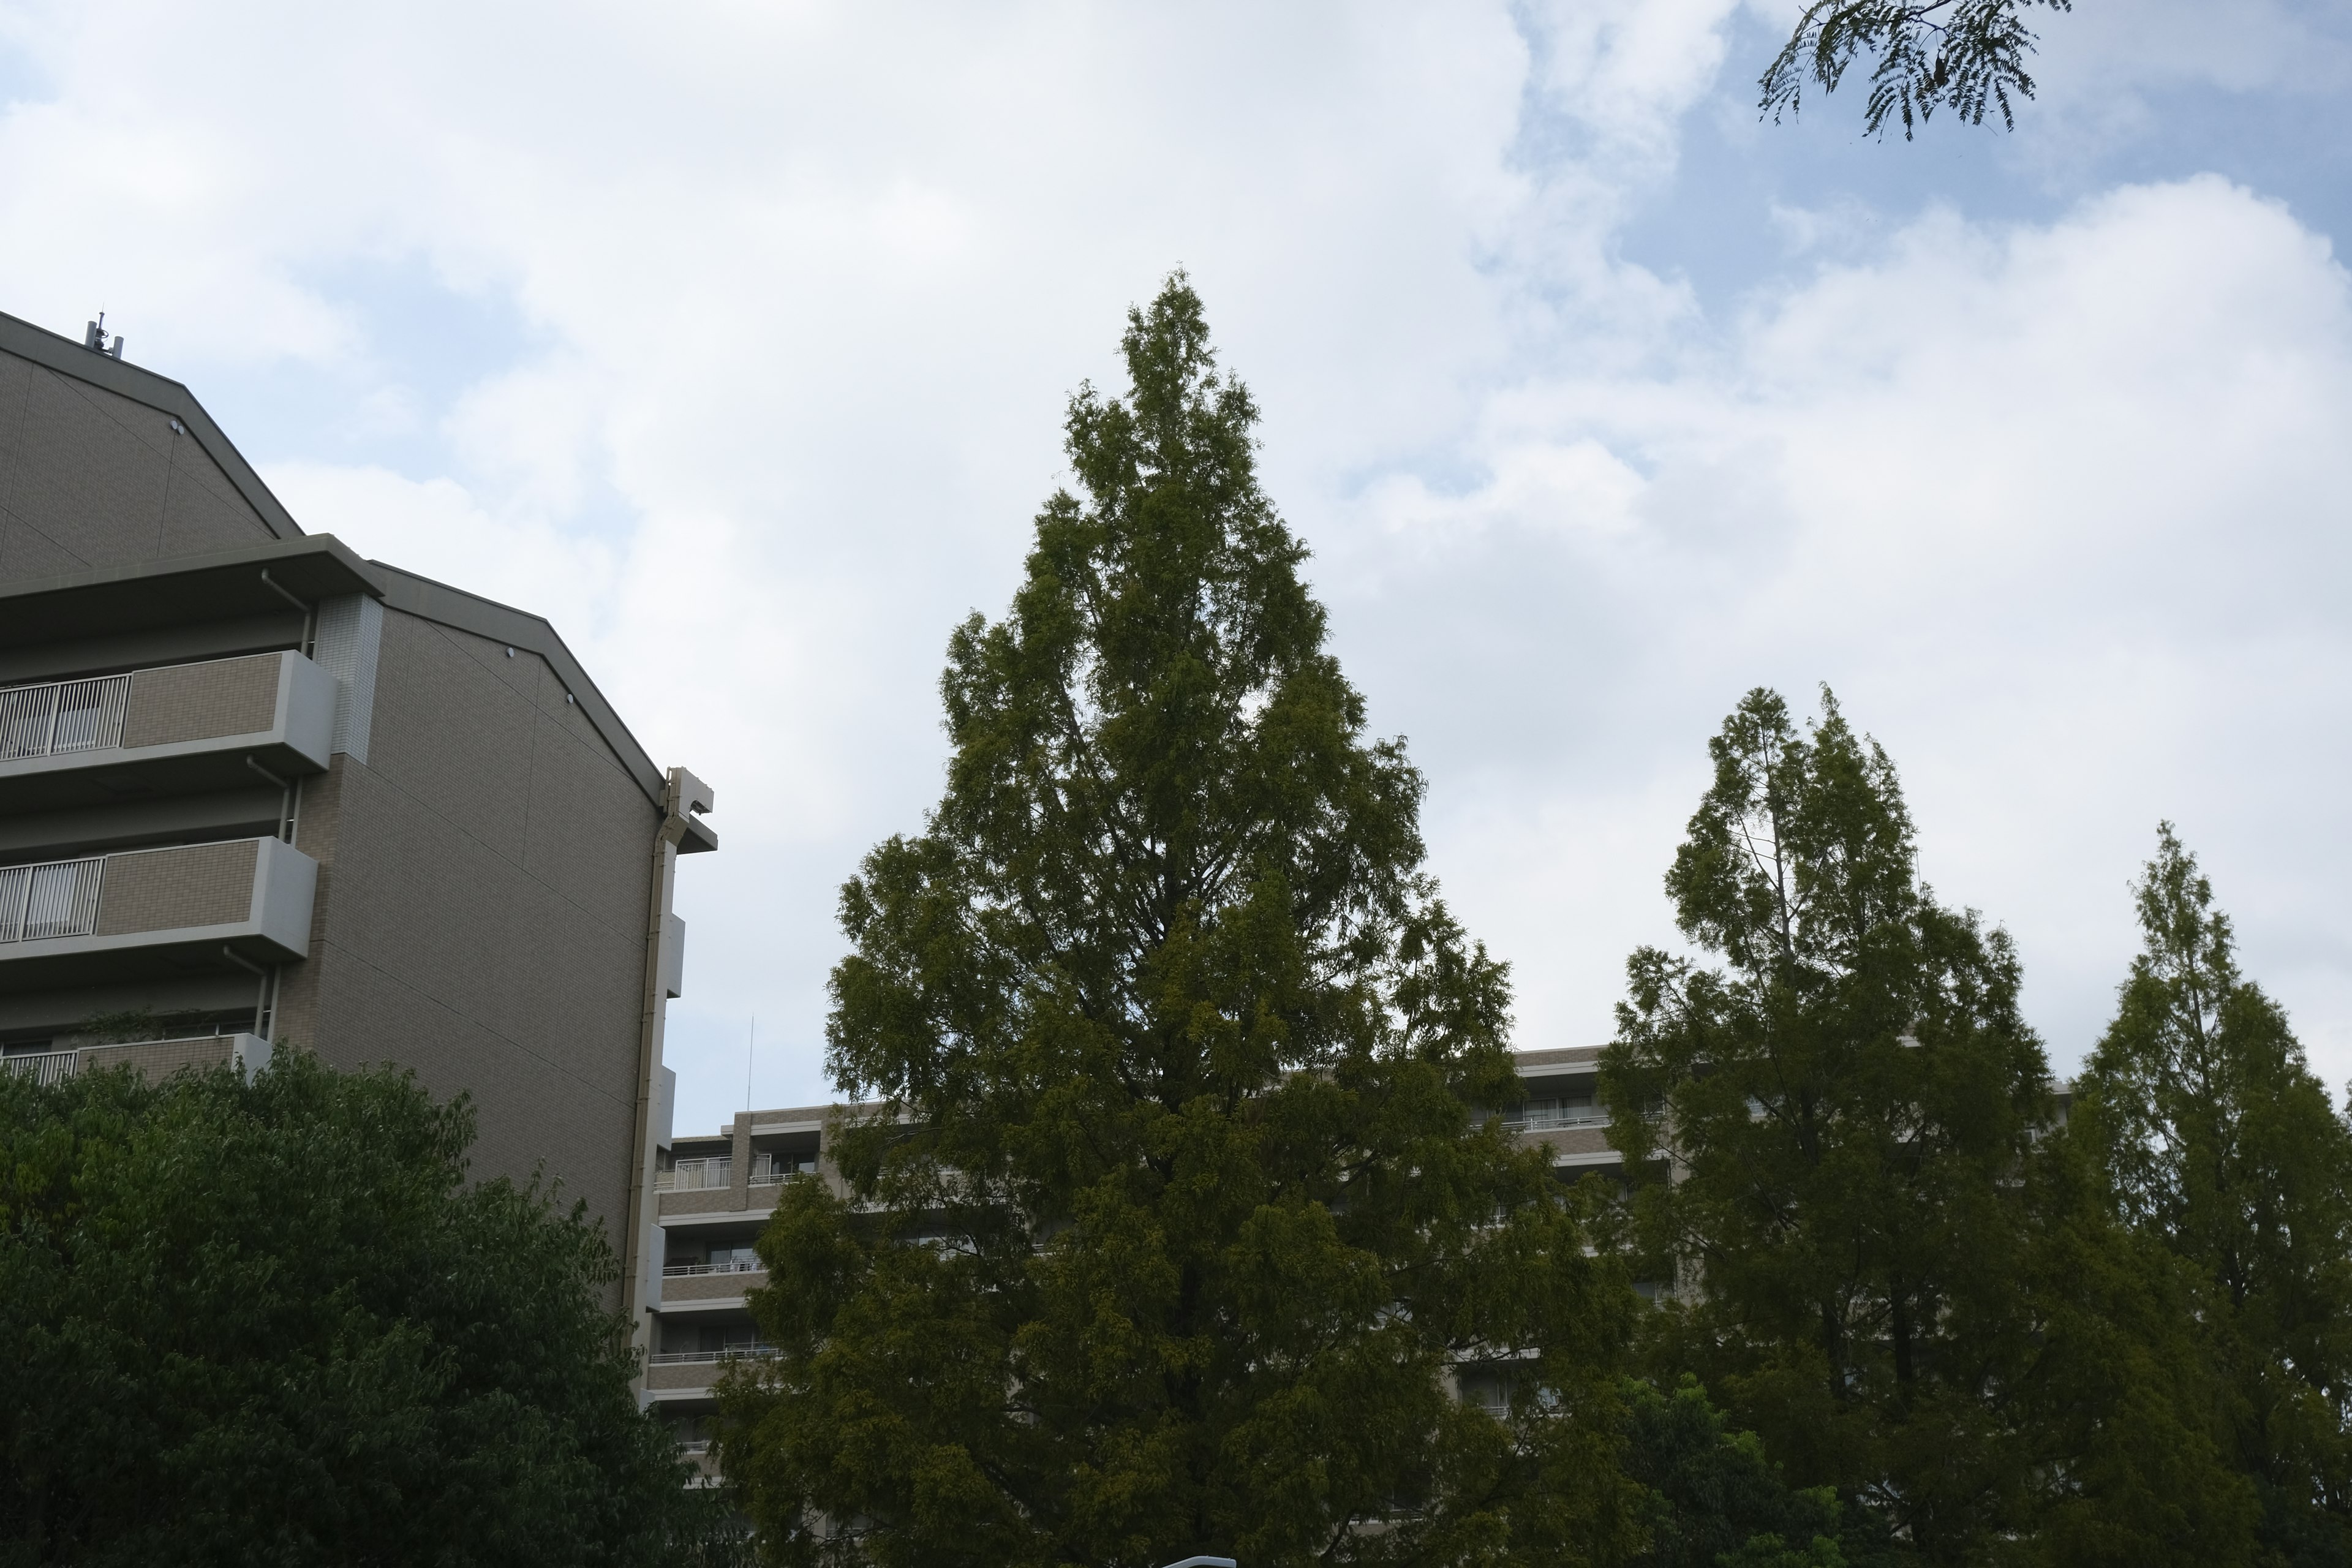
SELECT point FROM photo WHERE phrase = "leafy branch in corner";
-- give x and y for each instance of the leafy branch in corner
(1966, 56)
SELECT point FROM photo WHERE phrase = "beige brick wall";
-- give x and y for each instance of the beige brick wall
(482, 909)
(719, 1200)
(89, 478)
(712, 1287)
(202, 701)
(161, 1059)
(164, 889)
(690, 1374)
(1572, 1140)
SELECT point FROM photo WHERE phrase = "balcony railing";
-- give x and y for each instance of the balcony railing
(59, 899)
(696, 1175)
(717, 1172)
(1554, 1115)
(688, 1271)
(47, 1068)
(62, 716)
(153, 1059)
(770, 1169)
(699, 1358)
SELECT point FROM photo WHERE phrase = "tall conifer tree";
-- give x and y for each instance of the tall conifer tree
(1179, 1220)
(1884, 1265)
(2222, 1145)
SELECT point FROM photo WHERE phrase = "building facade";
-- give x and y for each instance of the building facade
(716, 1192)
(258, 792)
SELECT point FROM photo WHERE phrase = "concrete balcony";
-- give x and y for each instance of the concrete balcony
(153, 1059)
(705, 1283)
(691, 1373)
(1572, 1145)
(751, 1201)
(175, 729)
(155, 913)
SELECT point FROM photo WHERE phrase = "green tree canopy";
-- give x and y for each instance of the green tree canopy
(269, 1322)
(1713, 1498)
(1880, 1269)
(1965, 56)
(1178, 1218)
(2220, 1144)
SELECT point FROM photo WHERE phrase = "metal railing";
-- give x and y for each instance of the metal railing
(46, 1067)
(62, 716)
(715, 1172)
(739, 1265)
(770, 1169)
(59, 899)
(697, 1358)
(1552, 1115)
(696, 1175)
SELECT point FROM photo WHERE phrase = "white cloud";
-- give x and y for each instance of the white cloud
(2056, 510)
(798, 292)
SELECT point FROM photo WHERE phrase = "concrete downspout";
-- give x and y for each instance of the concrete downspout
(682, 793)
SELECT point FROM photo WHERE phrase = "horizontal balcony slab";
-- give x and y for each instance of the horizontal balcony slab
(754, 1202)
(150, 1058)
(675, 1374)
(728, 1287)
(154, 913)
(173, 730)
(1570, 1142)
(699, 1306)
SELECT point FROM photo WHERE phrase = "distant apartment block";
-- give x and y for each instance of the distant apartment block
(717, 1191)
(258, 792)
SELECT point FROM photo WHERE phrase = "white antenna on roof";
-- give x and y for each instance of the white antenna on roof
(750, 1045)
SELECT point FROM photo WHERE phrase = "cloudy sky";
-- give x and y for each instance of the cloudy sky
(734, 338)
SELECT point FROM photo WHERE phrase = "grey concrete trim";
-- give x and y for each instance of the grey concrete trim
(697, 1394)
(1558, 1060)
(349, 644)
(704, 1307)
(815, 1124)
(673, 977)
(67, 357)
(252, 1054)
(223, 585)
(718, 1219)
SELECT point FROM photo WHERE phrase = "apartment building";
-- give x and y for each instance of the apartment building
(715, 1193)
(258, 792)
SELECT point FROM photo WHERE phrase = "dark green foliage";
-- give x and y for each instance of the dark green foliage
(269, 1323)
(1966, 55)
(2222, 1148)
(1189, 1213)
(1886, 1270)
(1714, 1498)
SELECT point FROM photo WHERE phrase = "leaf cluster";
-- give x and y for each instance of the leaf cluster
(1966, 56)
(270, 1323)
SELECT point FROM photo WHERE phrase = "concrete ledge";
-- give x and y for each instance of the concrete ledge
(188, 729)
(180, 911)
(728, 1287)
(718, 1201)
